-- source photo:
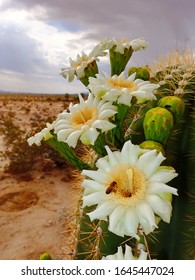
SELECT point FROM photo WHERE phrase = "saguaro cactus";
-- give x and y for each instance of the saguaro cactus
(131, 123)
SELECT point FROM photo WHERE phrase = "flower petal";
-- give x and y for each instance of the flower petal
(116, 221)
(73, 138)
(130, 153)
(146, 217)
(152, 165)
(104, 125)
(90, 136)
(63, 134)
(103, 164)
(160, 207)
(102, 211)
(95, 175)
(128, 253)
(92, 186)
(93, 198)
(163, 175)
(113, 161)
(158, 187)
(131, 222)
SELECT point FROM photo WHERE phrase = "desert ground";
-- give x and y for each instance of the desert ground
(37, 205)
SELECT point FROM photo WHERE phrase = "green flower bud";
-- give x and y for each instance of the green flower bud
(132, 70)
(152, 145)
(141, 73)
(174, 105)
(158, 125)
(45, 256)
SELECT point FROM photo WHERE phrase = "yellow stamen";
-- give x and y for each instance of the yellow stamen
(123, 40)
(131, 184)
(130, 180)
(121, 83)
(84, 116)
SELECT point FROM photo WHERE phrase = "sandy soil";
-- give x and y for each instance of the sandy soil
(37, 209)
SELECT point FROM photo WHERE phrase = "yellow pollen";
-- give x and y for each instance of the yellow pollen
(85, 116)
(123, 40)
(130, 183)
(121, 83)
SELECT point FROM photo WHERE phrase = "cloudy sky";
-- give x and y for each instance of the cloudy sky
(37, 37)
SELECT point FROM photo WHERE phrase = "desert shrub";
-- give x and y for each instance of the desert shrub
(22, 157)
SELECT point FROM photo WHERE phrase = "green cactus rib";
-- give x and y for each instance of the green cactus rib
(176, 240)
(68, 154)
(183, 242)
(134, 126)
(116, 135)
(94, 240)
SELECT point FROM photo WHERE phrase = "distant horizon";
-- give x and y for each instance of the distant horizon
(40, 93)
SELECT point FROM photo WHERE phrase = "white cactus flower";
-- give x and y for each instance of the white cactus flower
(121, 88)
(44, 134)
(136, 44)
(127, 255)
(84, 121)
(78, 66)
(129, 189)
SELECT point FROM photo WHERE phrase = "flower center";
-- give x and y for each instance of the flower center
(126, 183)
(121, 83)
(123, 40)
(86, 116)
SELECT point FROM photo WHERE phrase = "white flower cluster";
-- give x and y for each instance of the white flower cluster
(85, 121)
(129, 188)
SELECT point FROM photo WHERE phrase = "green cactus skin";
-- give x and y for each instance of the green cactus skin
(133, 128)
(94, 240)
(177, 240)
(67, 153)
(141, 73)
(174, 105)
(119, 61)
(158, 125)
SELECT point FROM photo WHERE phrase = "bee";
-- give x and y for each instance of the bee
(32, 133)
(111, 188)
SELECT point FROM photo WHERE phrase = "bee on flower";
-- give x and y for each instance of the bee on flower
(139, 192)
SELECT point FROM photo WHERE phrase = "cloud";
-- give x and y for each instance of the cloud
(33, 50)
(38, 37)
